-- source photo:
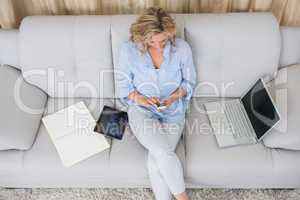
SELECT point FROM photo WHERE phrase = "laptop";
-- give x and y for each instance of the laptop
(244, 120)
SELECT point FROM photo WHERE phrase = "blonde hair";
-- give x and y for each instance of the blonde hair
(154, 20)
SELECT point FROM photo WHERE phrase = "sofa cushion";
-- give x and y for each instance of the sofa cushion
(231, 51)
(122, 165)
(128, 157)
(11, 168)
(242, 166)
(42, 164)
(67, 56)
(3, 147)
(22, 106)
(285, 90)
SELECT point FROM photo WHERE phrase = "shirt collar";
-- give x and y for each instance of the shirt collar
(166, 54)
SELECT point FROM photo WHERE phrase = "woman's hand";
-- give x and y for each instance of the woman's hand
(145, 101)
(179, 92)
(142, 100)
(168, 101)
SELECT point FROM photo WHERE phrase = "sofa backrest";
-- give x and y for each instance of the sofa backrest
(67, 56)
(72, 56)
(231, 51)
(9, 47)
(77, 53)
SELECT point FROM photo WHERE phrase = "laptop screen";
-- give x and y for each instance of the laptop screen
(260, 109)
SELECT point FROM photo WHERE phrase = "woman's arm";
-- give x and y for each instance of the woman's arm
(125, 89)
(177, 94)
(142, 100)
(185, 90)
(188, 73)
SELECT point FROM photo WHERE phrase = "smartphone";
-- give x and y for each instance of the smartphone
(161, 107)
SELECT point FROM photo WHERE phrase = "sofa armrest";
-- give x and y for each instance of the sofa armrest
(285, 91)
(22, 106)
(290, 46)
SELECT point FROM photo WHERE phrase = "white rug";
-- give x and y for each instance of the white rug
(144, 194)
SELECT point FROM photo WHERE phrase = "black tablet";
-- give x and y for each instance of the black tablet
(112, 122)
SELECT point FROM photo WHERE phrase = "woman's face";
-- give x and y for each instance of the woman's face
(158, 41)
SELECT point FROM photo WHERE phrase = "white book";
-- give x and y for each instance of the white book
(72, 132)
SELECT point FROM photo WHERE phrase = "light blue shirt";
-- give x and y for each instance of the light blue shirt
(136, 71)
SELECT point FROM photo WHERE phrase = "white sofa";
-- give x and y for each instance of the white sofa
(60, 60)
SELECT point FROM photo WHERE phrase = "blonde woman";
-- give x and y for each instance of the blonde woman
(155, 68)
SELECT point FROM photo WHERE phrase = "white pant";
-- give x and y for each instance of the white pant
(160, 139)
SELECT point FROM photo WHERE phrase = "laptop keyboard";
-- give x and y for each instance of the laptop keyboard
(237, 119)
